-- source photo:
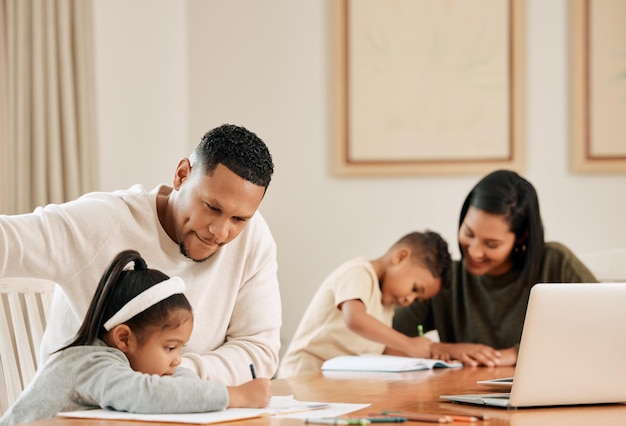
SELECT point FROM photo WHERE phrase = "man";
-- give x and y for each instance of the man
(205, 229)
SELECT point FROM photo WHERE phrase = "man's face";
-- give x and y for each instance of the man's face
(211, 210)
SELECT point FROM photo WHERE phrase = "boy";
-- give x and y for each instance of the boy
(352, 311)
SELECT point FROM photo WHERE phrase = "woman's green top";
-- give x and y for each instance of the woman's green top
(488, 309)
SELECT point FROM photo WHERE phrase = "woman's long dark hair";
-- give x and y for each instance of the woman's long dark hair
(506, 193)
(116, 288)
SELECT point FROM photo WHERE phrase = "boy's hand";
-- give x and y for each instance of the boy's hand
(253, 394)
(419, 347)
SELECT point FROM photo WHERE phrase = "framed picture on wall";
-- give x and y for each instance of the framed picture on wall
(428, 86)
(598, 30)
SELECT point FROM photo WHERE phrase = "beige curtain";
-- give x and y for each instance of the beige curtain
(50, 143)
(4, 160)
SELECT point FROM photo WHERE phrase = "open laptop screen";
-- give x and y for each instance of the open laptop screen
(572, 347)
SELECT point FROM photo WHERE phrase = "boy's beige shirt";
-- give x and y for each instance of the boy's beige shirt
(322, 333)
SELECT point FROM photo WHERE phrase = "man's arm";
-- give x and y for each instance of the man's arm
(253, 327)
(253, 337)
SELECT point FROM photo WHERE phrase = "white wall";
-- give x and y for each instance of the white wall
(265, 65)
(142, 90)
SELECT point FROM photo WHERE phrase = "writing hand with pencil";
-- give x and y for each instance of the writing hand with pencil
(419, 347)
(253, 394)
(416, 347)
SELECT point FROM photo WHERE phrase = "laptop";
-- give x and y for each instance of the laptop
(504, 382)
(571, 351)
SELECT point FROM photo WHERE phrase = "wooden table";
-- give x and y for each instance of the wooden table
(415, 392)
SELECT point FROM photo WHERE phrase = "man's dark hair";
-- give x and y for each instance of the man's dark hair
(238, 149)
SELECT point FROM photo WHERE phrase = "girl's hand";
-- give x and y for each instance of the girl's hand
(253, 394)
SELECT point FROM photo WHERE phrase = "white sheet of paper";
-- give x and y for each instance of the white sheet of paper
(283, 406)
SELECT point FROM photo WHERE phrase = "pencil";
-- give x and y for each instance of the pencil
(380, 418)
(457, 418)
(467, 417)
(252, 371)
(421, 417)
(336, 421)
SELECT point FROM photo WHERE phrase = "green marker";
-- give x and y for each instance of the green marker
(420, 330)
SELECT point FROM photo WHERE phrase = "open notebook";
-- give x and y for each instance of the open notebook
(383, 363)
(572, 349)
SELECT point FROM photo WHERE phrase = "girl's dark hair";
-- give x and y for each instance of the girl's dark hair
(116, 288)
(506, 193)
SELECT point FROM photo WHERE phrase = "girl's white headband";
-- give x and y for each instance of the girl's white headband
(145, 299)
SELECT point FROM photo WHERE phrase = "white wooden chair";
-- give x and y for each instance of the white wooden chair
(24, 308)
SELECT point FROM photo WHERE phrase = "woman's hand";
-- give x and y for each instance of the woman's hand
(471, 354)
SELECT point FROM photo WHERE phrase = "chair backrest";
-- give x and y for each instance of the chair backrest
(24, 308)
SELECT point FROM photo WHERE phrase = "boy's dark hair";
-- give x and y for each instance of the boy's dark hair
(431, 251)
(504, 192)
(116, 288)
(238, 149)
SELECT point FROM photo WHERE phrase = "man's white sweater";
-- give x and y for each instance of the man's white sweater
(234, 294)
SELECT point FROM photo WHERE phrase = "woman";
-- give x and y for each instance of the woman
(480, 317)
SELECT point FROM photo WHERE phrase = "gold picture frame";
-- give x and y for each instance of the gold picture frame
(598, 86)
(428, 87)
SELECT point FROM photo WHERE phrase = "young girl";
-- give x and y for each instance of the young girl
(126, 353)
(501, 239)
